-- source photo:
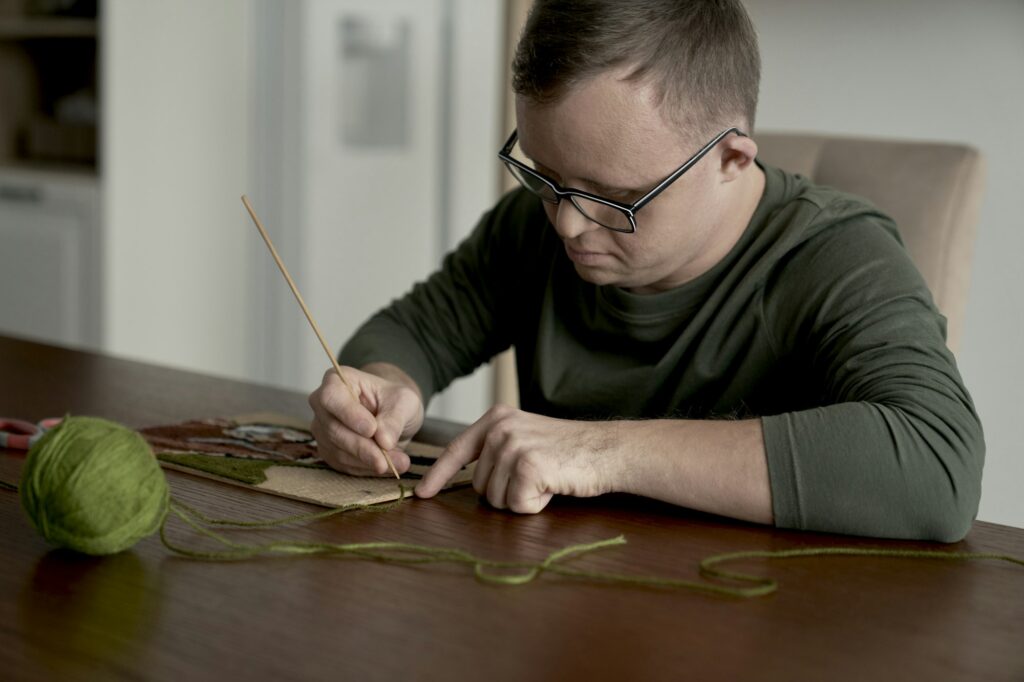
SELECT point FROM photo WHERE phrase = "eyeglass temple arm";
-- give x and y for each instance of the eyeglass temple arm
(644, 200)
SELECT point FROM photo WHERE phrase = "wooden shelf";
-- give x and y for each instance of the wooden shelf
(27, 28)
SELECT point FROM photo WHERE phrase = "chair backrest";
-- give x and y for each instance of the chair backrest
(932, 190)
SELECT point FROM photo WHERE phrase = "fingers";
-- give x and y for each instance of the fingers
(399, 459)
(351, 453)
(524, 494)
(337, 458)
(494, 481)
(397, 416)
(460, 452)
(345, 427)
(482, 473)
(513, 470)
(510, 478)
(334, 399)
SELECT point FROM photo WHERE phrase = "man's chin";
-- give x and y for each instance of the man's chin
(596, 275)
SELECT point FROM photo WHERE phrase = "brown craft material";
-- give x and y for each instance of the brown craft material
(318, 485)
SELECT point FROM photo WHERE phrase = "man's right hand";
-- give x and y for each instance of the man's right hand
(351, 433)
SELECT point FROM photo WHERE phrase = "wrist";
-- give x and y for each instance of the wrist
(616, 461)
(393, 373)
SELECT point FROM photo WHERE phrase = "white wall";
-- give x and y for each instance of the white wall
(359, 223)
(174, 162)
(203, 101)
(932, 70)
(474, 133)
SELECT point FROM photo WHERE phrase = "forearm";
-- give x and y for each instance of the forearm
(873, 469)
(714, 466)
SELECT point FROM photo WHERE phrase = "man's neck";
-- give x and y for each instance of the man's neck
(751, 193)
(746, 195)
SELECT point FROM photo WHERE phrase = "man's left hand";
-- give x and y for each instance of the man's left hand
(524, 459)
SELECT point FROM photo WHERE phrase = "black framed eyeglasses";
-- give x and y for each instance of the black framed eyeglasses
(608, 213)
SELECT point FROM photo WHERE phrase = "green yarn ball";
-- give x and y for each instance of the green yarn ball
(93, 486)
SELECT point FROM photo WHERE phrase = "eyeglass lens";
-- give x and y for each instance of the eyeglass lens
(602, 214)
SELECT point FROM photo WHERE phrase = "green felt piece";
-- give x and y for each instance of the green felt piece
(251, 471)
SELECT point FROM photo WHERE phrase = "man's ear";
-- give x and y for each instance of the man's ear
(737, 154)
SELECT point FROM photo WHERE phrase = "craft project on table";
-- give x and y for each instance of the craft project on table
(277, 454)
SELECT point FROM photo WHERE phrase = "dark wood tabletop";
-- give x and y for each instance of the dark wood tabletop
(149, 614)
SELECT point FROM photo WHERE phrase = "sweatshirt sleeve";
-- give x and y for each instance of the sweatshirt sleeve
(895, 448)
(458, 318)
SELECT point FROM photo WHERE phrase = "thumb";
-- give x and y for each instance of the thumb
(387, 434)
(396, 416)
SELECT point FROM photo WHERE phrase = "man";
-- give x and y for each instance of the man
(719, 334)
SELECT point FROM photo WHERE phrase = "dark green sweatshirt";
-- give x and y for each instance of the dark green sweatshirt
(816, 321)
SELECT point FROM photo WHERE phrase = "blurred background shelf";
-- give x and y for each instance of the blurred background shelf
(48, 81)
(50, 233)
(28, 28)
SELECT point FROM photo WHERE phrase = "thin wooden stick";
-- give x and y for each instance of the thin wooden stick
(309, 316)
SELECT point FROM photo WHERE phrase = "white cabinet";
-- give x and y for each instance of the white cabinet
(49, 251)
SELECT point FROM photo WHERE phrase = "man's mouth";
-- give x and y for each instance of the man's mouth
(583, 257)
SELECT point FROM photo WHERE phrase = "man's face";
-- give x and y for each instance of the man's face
(607, 137)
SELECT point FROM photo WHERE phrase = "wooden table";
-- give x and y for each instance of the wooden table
(147, 614)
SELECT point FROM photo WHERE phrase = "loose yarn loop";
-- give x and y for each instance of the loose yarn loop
(486, 570)
(499, 572)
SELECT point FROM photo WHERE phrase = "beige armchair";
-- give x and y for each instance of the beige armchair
(932, 190)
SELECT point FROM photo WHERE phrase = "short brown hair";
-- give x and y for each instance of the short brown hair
(700, 55)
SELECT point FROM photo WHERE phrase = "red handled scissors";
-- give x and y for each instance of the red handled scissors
(21, 435)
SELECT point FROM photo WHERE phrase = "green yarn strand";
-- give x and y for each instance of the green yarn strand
(386, 552)
(95, 487)
(534, 570)
(513, 573)
(707, 564)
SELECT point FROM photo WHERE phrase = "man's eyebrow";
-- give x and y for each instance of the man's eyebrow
(599, 187)
(602, 188)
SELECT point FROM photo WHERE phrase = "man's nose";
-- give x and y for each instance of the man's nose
(570, 223)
